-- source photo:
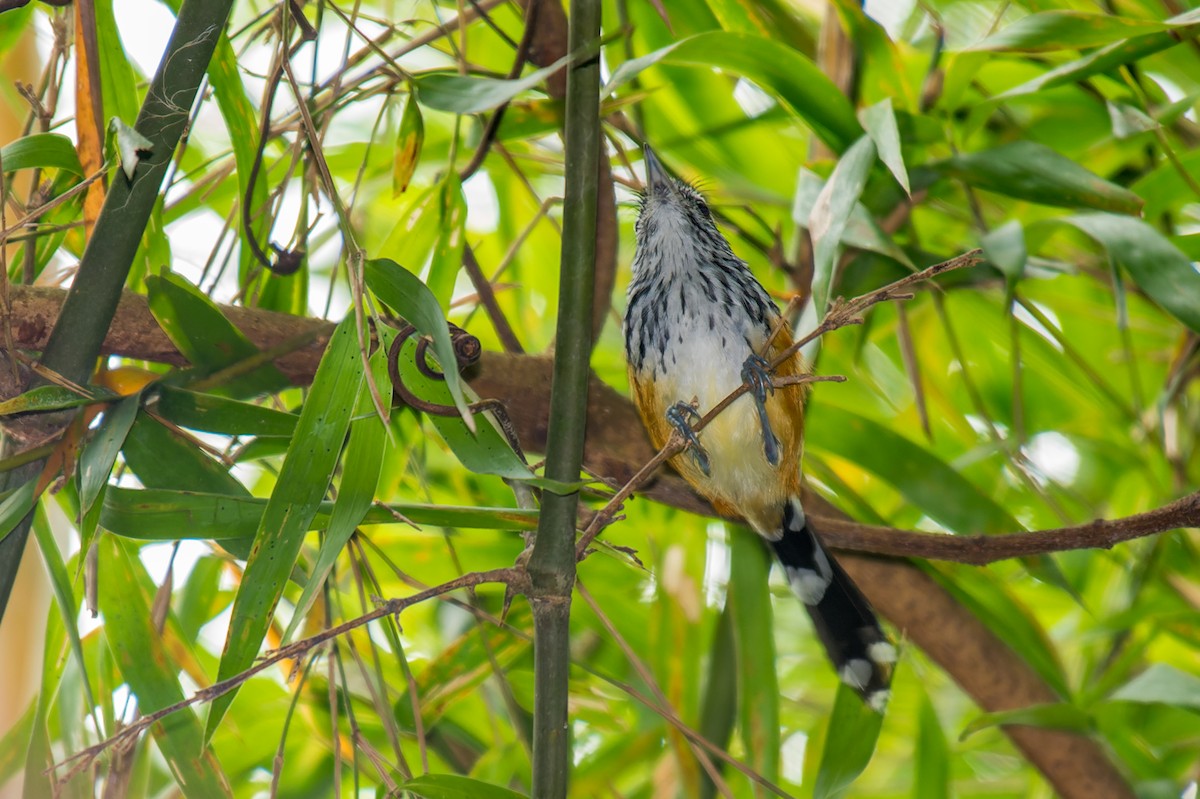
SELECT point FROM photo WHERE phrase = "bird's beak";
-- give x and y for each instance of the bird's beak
(656, 177)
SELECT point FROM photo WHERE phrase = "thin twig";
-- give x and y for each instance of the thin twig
(513, 577)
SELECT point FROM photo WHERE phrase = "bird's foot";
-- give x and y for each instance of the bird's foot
(756, 373)
(679, 416)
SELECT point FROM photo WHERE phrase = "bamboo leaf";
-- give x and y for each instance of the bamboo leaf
(1162, 684)
(453, 786)
(753, 631)
(214, 414)
(409, 140)
(931, 779)
(168, 514)
(49, 398)
(360, 476)
(205, 337)
(1030, 171)
(303, 480)
(97, 459)
(465, 94)
(879, 121)
(861, 231)
(448, 249)
(1067, 30)
(41, 151)
(1055, 716)
(829, 214)
(147, 667)
(853, 730)
(917, 473)
(16, 506)
(1114, 55)
(1155, 264)
(775, 67)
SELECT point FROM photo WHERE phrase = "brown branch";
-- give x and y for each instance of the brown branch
(928, 616)
(980, 550)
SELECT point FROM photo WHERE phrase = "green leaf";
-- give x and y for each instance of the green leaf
(879, 120)
(360, 476)
(749, 601)
(829, 214)
(776, 68)
(413, 300)
(1162, 684)
(917, 473)
(1155, 264)
(448, 249)
(242, 123)
(64, 593)
(409, 140)
(16, 506)
(1128, 120)
(453, 786)
(41, 151)
(167, 514)
(1004, 247)
(214, 414)
(853, 730)
(147, 667)
(162, 459)
(303, 481)
(1112, 56)
(1066, 30)
(1056, 716)
(1009, 619)
(1030, 171)
(49, 398)
(931, 778)
(466, 94)
(861, 231)
(97, 459)
(204, 336)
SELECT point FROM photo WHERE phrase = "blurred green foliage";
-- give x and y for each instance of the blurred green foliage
(1054, 384)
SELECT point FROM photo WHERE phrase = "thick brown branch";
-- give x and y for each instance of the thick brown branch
(928, 616)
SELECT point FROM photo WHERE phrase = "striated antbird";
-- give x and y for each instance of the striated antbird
(696, 327)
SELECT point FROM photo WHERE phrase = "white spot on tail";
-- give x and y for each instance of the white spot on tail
(857, 673)
(808, 585)
(882, 652)
(877, 700)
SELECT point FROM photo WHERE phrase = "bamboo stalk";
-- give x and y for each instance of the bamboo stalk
(92, 300)
(552, 563)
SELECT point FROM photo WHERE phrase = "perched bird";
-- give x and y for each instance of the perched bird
(695, 329)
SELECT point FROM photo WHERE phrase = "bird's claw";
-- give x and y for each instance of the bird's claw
(756, 373)
(679, 416)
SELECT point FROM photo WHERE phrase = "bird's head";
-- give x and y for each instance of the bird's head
(674, 219)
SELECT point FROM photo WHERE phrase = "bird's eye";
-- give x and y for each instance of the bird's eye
(704, 210)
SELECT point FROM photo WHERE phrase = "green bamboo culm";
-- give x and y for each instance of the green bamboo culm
(552, 564)
(92, 300)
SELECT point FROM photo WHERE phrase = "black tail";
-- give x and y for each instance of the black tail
(847, 626)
